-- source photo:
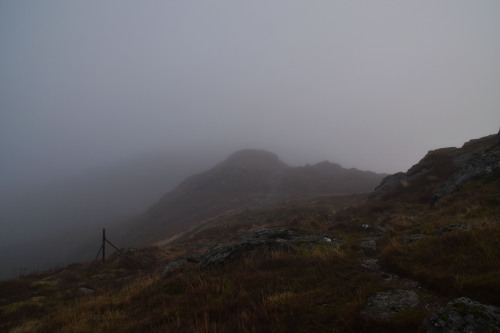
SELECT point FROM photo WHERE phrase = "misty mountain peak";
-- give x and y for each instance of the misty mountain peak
(327, 165)
(247, 178)
(254, 159)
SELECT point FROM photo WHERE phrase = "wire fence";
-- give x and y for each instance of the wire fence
(103, 248)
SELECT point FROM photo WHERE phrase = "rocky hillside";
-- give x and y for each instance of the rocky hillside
(444, 171)
(412, 258)
(248, 178)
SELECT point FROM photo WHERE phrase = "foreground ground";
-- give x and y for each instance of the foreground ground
(442, 252)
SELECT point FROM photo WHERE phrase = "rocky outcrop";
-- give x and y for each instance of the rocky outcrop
(389, 182)
(172, 266)
(423, 167)
(408, 239)
(464, 226)
(470, 168)
(259, 241)
(86, 291)
(464, 315)
(447, 170)
(385, 305)
(369, 243)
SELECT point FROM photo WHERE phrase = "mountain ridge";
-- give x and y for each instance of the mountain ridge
(247, 178)
(394, 262)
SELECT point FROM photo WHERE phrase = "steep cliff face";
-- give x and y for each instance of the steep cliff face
(248, 178)
(445, 170)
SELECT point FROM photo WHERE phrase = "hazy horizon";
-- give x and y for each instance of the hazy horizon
(371, 85)
(107, 105)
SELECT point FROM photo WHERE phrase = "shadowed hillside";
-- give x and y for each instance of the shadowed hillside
(37, 222)
(248, 178)
(420, 255)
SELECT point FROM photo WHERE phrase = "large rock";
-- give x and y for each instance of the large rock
(446, 170)
(464, 315)
(464, 226)
(403, 178)
(259, 241)
(389, 182)
(413, 238)
(471, 167)
(386, 304)
(172, 266)
(369, 243)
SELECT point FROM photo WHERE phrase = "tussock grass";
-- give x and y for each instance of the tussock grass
(308, 290)
(458, 263)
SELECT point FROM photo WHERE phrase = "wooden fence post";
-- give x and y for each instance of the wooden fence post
(103, 245)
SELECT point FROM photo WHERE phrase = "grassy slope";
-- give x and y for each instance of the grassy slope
(459, 262)
(317, 290)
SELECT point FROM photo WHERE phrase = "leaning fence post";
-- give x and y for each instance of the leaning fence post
(103, 245)
(103, 248)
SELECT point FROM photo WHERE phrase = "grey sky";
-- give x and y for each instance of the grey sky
(367, 84)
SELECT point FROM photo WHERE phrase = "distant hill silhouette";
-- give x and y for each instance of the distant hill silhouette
(37, 222)
(247, 178)
(420, 255)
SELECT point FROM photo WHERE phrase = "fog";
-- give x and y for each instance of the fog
(367, 84)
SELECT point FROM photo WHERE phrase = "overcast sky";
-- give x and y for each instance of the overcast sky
(367, 84)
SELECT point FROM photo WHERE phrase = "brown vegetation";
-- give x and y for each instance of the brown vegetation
(449, 249)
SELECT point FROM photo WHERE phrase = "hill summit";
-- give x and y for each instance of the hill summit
(247, 178)
(255, 160)
(399, 261)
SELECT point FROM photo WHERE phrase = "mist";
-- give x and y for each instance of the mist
(372, 85)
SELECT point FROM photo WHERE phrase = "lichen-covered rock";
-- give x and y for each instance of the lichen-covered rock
(386, 304)
(413, 238)
(389, 182)
(369, 243)
(172, 266)
(464, 226)
(260, 240)
(464, 315)
(470, 167)
(403, 178)
(85, 290)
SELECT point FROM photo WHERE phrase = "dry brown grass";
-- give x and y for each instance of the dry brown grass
(309, 290)
(458, 263)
